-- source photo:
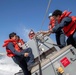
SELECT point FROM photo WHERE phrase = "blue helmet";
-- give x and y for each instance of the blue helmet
(50, 14)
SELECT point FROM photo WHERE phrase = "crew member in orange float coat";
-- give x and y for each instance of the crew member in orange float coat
(60, 37)
(18, 55)
(67, 23)
(9, 52)
(19, 40)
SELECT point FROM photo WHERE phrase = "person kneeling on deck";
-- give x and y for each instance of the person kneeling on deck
(19, 55)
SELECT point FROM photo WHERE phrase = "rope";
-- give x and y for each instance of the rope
(40, 71)
(45, 14)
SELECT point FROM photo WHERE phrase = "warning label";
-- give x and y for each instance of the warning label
(65, 62)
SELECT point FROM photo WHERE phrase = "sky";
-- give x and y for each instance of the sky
(21, 16)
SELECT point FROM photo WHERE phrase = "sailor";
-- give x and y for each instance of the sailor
(31, 34)
(19, 40)
(18, 55)
(23, 45)
(67, 23)
(60, 37)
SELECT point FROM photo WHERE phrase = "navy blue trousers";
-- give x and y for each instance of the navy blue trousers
(72, 39)
(22, 64)
(60, 39)
(30, 58)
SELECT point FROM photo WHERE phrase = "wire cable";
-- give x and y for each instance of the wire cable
(45, 14)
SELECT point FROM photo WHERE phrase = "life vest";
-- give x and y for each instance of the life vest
(69, 29)
(52, 21)
(21, 41)
(64, 14)
(9, 52)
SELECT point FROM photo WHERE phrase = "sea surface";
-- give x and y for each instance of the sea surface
(7, 66)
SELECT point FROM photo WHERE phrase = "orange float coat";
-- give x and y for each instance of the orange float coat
(9, 52)
(69, 29)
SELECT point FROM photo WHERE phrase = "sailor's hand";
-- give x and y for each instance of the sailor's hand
(44, 32)
(26, 54)
(41, 32)
(50, 31)
(38, 33)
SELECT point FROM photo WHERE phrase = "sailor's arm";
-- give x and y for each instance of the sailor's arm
(11, 47)
(63, 23)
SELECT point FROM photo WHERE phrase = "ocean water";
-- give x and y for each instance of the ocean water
(7, 66)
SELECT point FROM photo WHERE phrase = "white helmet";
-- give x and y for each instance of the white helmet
(50, 14)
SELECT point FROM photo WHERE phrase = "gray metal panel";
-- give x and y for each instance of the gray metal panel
(46, 45)
(47, 71)
(71, 68)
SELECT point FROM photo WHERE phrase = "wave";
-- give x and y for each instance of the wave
(7, 66)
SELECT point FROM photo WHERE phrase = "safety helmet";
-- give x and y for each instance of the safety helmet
(50, 14)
